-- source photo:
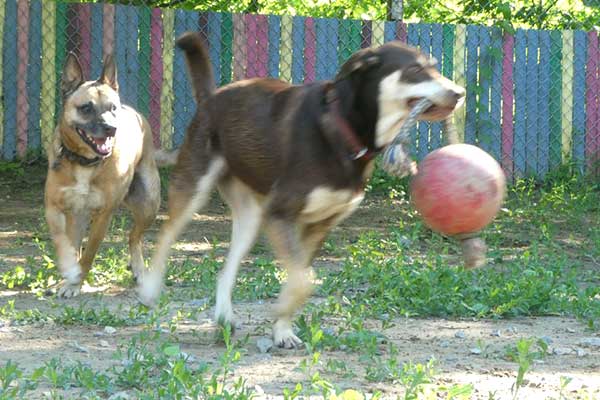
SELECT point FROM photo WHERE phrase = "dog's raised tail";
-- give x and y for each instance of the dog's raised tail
(198, 62)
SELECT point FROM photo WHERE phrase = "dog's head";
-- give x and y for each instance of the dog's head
(90, 109)
(386, 82)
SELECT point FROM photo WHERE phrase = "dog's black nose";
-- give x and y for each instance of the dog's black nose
(459, 93)
(109, 130)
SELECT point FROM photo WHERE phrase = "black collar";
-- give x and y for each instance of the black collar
(79, 159)
(359, 150)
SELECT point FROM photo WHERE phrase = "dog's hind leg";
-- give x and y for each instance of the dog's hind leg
(143, 200)
(296, 246)
(247, 214)
(185, 199)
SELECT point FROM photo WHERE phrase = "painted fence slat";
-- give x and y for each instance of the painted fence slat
(297, 50)
(531, 71)
(22, 59)
(214, 41)
(2, 24)
(285, 65)
(97, 17)
(507, 103)
(566, 101)
(262, 37)
(34, 72)
(412, 39)
(483, 124)
(61, 50)
(520, 78)
(554, 100)
(447, 61)
(251, 46)
(423, 128)
(108, 29)
(274, 35)
(496, 94)
(226, 48)
(310, 55)
(592, 142)
(378, 33)
(366, 34)
(543, 148)
(143, 59)
(349, 39)
(9, 81)
(389, 32)
(437, 51)
(48, 84)
(579, 111)
(121, 22)
(459, 61)
(472, 43)
(156, 74)
(167, 138)
(239, 47)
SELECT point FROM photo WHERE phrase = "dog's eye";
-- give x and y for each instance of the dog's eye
(415, 69)
(113, 108)
(86, 108)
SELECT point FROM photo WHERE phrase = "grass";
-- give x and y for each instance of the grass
(544, 252)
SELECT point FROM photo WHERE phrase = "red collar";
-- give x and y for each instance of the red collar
(358, 148)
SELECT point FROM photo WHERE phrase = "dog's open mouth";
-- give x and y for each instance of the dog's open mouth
(101, 145)
(435, 112)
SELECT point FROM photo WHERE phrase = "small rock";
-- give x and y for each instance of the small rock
(580, 352)
(259, 390)
(343, 347)
(188, 357)
(590, 342)
(198, 302)
(109, 330)
(460, 335)
(328, 331)
(496, 333)
(547, 339)
(444, 343)
(79, 347)
(475, 350)
(103, 343)
(512, 329)
(562, 351)
(99, 334)
(571, 330)
(264, 344)
(119, 396)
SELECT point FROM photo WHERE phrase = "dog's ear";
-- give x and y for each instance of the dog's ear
(360, 61)
(72, 76)
(109, 73)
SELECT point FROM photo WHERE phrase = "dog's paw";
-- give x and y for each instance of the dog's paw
(148, 289)
(68, 290)
(283, 335)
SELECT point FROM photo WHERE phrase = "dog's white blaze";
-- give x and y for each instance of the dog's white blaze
(247, 215)
(324, 203)
(83, 195)
(392, 101)
(151, 280)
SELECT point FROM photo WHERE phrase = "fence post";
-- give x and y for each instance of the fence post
(395, 10)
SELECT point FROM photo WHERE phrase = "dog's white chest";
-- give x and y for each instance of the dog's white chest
(324, 203)
(83, 194)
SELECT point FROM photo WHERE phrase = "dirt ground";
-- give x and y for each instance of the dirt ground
(467, 351)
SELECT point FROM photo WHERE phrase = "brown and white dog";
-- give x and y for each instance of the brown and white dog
(295, 158)
(101, 156)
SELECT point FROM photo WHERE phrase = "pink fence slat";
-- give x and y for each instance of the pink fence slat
(262, 48)
(507, 104)
(108, 29)
(22, 54)
(401, 31)
(84, 26)
(310, 53)
(156, 73)
(239, 47)
(251, 46)
(592, 145)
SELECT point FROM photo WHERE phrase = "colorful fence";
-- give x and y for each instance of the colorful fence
(533, 98)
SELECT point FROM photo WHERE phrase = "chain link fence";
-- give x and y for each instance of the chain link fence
(533, 96)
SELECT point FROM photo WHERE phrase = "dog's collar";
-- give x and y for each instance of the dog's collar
(79, 159)
(358, 148)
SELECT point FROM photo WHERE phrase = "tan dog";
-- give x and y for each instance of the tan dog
(101, 156)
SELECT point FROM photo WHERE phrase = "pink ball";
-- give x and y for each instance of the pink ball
(458, 189)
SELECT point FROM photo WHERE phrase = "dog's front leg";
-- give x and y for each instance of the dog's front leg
(67, 251)
(295, 254)
(98, 230)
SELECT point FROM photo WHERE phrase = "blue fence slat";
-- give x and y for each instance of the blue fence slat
(34, 71)
(274, 39)
(412, 39)
(520, 81)
(543, 147)
(298, 49)
(437, 50)
(484, 123)
(97, 10)
(121, 52)
(183, 103)
(327, 55)
(579, 115)
(471, 78)
(496, 94)
(531, 70)
(389, 31)
(422, 126)
(9, 80)
(214, 39)
(132, 72)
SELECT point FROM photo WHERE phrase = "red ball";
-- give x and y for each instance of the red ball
(458, 189)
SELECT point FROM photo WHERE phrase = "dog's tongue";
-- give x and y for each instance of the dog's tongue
(104, 144)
